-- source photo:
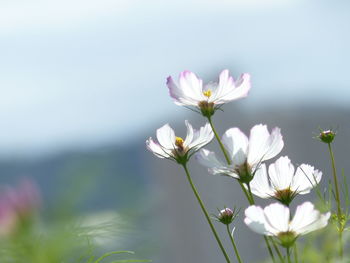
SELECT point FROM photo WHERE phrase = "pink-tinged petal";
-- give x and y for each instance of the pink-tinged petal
(228, 90)
(306, 178)
(277, 218)
(281, 173)
(191, 86)
(308, 219)
(180, 98)
(236, 143)
(156, 149)
(255, 220)
(218, 89)
(166, 137)
(260, 185)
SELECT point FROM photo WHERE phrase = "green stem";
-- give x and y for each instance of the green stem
(269, 249)
(251, 201)
(206, 214)
(228, 160)
(295, 253)
(288, 255)
(277, 250)
(250, 193)
(233, 244)
(337, 196)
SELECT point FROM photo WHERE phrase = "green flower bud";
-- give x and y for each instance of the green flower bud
(226, 216)
(327, 136)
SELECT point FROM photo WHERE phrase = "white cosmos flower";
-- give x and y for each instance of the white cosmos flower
(172, 147)
(245, 154)
(283, 182)
(275, 220)
(190, 90)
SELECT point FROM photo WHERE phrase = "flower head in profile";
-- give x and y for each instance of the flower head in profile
(274, 220)
(175, 148)
(190, 91)
(283, 182)
(246, 154)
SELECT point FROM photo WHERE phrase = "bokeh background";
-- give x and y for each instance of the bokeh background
(82, 86)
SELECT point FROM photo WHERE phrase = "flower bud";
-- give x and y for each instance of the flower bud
(327, 136)
(226, 216)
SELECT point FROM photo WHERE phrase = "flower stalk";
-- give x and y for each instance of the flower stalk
(337, 196)
(288, 255)
(222, 147)
(233, 243)
(205, 213)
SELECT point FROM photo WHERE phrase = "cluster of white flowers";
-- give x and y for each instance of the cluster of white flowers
(245, 158)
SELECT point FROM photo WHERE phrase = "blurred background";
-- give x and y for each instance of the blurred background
(82, 86)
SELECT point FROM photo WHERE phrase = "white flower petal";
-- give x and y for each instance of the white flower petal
(201, 137)
(257, 143)
(307, 219)
(281, 173)
(260, 184)
(157, 150)
(230, 90)
(236, 143)
(215, 166)
(306, 178)
(191, 86)
(255, 220)
(189, 135)
(225, 85)
(277, 218)
(275, 144)
(177, 93)
(208, 159)
(262, 145)
(166, 137)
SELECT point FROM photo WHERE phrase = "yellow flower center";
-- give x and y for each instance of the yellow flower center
(179, 142)
(207, 93)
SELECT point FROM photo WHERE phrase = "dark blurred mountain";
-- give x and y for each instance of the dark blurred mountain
(129, 177)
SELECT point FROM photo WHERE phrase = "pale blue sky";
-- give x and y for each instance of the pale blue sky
(80, 72)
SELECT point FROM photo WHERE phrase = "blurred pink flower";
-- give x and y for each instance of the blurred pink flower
(17, 205)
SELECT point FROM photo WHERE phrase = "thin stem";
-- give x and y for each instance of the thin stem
(233, 243)
(228, 160)
(288, 255)
(337, 196)
(277, 250)
(250, 193)
(251, 201)
(206, 214)
(295, 253)
(269, 249)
